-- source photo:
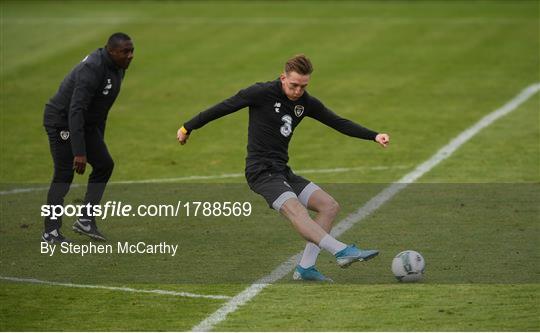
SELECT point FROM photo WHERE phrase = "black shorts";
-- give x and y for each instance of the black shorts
(277, 186)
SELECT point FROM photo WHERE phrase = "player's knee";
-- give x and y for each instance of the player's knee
(63, 175)
(103, 170)
(110, 165)
(294, 210)
(330, 207)
(107, 166)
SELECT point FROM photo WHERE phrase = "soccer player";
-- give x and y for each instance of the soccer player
(75, 119)
(275, 109)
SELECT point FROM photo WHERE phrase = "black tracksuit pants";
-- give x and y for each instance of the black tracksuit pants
(97, 156)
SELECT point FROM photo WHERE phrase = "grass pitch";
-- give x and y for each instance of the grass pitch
(422, 71)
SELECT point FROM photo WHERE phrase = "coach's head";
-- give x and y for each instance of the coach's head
(120, 49)
(295, 78)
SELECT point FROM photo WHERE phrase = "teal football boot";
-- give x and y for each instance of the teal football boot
(309, 274)
(351, 254)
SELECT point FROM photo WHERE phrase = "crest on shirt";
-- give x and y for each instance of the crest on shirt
(108, 87)
(64, 135)
(298, 110)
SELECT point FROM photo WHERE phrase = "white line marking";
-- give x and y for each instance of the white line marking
(131, 290)
(237, 175)
(285, 268)
(211, 177)
(29, 189)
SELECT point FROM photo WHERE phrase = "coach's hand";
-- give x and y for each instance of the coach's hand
(383, 139)
(182, 135)
(79, 164)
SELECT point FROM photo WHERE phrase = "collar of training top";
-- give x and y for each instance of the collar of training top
(279, 88)
(107, 58)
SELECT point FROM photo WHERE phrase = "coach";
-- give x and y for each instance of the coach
(75, 119)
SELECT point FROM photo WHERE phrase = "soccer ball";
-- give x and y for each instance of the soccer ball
(408, 266)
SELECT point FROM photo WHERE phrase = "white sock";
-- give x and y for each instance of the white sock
(311, 252)
(331, 244)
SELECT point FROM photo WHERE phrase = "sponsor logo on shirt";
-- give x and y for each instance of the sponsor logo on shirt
(277, 105)
(107, 87)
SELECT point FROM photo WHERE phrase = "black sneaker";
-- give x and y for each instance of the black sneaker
(54, 237)
(88, 228)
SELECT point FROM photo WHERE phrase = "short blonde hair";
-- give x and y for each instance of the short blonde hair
(299, 64)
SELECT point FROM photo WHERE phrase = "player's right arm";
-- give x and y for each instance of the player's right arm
(86, 83)
(232, 104)
(182, 135)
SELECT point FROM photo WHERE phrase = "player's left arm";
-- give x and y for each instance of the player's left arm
(345, 126)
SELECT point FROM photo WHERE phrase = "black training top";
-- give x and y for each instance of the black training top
(272, 120)
(85, 97)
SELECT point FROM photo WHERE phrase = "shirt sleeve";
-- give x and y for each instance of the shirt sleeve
(242, 99)
(326, 116)
(86, 83)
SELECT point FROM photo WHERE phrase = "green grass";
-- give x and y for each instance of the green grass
(390, 308)
(63, 309)
(422, 71)
(389, 66)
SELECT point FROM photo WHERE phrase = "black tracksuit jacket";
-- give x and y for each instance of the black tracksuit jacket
(85, 97)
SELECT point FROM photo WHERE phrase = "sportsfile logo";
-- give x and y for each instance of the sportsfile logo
(119, 209)
(111, 208)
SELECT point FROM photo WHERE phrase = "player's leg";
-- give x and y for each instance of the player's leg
(326, 207)
(311, 231)
(295, 212)
(315, 235)
(60, 147)
(315, 199)
(102, 166)
(281, 196)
